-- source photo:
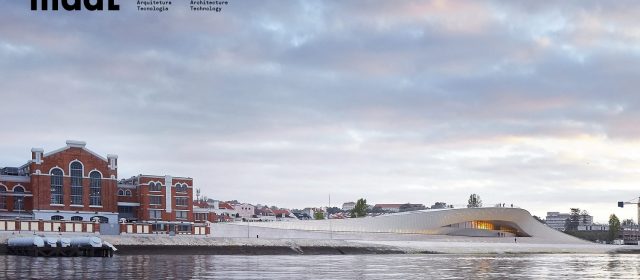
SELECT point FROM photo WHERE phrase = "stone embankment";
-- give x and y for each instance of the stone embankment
(364, 244)
(241, 246)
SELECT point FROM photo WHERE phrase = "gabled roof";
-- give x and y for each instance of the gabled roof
(75, 144)
(225, 205)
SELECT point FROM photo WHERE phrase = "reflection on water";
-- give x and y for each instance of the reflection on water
(325, 267)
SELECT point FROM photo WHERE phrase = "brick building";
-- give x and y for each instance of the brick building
(71, 183)
(76, 184)
(165, 201)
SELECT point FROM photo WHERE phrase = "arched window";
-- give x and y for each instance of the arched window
(120, 192)
(155, 187)
(3, 197)
(127, 193)
(181, 187)
(76, 183)
(18, 198)
(95, 189)
(76, 218)
(56, 187)
(57, 218)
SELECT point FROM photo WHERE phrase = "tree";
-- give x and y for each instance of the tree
(360, 210)
(628, 222)
(333, 210)
(572, 223)
(585, 217)
(474, 201)
(539, 219)
(614, 227)
(318, 215)
(439, 205)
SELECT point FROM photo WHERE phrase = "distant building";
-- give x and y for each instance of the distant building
(411, 207)
(594, 227)
(311, 212)
(557, 220)
(283, 215)
(245, 210)
(402, 207)
(302, 216)
(348, 206)
(389, 207)
(265, 214)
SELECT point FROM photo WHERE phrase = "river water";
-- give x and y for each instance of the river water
(563, 266)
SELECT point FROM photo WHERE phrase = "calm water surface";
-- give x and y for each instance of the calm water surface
(325, 267)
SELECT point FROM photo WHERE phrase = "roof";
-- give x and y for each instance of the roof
(75, 144)
(389, 205)
(225, 205)
(201, 204)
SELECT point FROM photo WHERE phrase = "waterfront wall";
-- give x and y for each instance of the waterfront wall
(48, 226)
(89, 227)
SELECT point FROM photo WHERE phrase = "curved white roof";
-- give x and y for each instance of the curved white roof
(435, 221)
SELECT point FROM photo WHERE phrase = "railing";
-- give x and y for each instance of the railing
(147, 228)
(48, 226)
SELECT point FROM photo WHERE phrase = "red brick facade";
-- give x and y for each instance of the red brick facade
(41, 181)
(151, 199)
(74, 183)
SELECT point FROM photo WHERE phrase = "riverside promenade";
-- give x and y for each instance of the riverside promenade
(327, 243)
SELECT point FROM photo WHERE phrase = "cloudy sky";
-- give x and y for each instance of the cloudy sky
(286, 102)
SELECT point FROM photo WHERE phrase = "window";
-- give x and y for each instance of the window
(3, 197)
(181, 187)
(57, 218)
(95, 189)
(120, 192)
(183, 228)
(155, 214)
(18, 203)
(100, 219)
(155, 187)
(127, 193)
(56, 186)
(76, 183)
(158, 227)
(181, 201)
(76, 218)
(181, 214)
(125, 209)
(155, 200)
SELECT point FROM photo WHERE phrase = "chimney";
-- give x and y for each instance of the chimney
(113, 161)
(36, 155)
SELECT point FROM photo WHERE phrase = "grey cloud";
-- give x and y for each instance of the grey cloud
(344, 97)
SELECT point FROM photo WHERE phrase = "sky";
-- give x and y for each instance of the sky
(289, 103)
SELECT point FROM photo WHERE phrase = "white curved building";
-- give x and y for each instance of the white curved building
(473, 222)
